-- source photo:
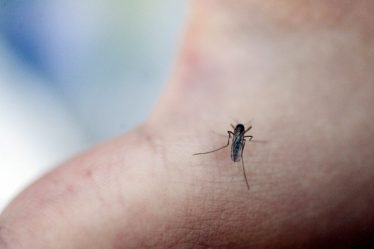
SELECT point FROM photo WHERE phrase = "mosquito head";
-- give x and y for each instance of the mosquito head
(239, 128)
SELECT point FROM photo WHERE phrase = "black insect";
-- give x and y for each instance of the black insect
(237, 145)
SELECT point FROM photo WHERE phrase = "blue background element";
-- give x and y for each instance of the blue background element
(73, 73)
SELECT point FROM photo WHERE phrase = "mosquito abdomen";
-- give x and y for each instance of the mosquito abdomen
(236, 151)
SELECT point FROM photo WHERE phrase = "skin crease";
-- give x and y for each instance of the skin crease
(301, 72)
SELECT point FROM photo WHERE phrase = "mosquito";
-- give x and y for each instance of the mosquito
(237, 145)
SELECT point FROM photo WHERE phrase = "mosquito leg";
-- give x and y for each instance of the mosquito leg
(228, 142)
(244, 173)
(250, 127)
(250, 137)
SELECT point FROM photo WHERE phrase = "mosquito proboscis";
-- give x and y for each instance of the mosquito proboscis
(237, 145)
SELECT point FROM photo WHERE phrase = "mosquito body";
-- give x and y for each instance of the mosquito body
(237, 145)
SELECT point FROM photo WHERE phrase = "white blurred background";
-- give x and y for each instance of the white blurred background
(75, 72)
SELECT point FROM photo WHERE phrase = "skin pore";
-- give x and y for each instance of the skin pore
(301, 72)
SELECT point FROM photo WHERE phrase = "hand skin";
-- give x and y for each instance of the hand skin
(302, 72)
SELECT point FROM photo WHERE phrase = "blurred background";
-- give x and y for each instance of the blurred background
(74, 73)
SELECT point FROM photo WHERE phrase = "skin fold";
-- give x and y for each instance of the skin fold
(301, 72)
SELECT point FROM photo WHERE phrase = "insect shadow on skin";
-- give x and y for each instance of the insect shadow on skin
(237, 145)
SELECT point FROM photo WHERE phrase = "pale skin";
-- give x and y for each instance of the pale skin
(301, 71)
